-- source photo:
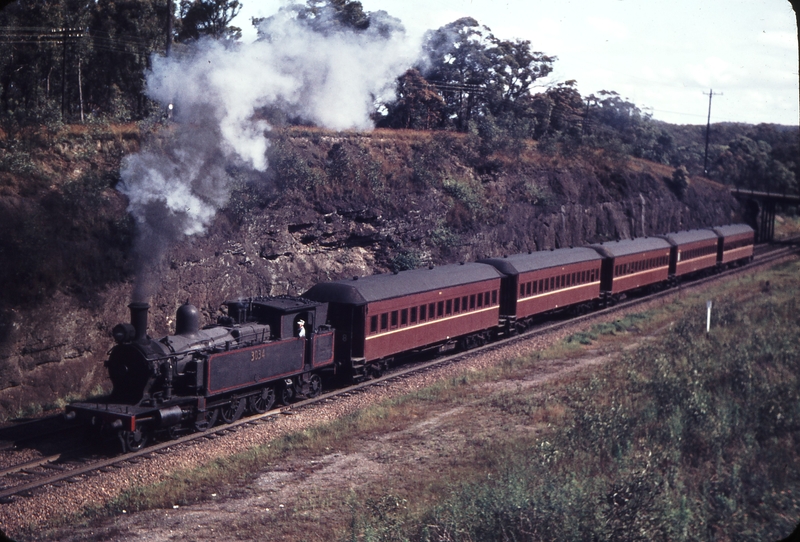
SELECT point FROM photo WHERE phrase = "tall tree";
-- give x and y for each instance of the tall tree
(513, 69)
(210, 18)
(458, 64)
(418, 106)
(124, 34)
(749, 164)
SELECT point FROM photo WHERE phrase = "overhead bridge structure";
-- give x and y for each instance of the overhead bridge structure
(761, 207)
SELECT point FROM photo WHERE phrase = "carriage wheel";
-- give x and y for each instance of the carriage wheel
(232, 411)
(263, 401)
(208, 420)
(132, 441)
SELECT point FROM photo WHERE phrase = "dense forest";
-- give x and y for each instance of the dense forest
(85, 61)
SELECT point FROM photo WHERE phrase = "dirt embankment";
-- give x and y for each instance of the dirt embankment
(330, 205)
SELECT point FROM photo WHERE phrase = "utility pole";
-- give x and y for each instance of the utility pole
(169, 27)
(64, 71)
(708, 129)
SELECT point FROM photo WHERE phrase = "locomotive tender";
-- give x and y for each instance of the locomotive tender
(270, 348)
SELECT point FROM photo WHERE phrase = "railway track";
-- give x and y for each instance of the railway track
(28, 477)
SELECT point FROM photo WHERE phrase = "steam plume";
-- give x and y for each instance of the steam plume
(312, 69)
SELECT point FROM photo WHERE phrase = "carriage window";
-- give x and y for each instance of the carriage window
(552, 283)
(457, 305)
(486, 299)
(449, 307)
(472, 301)
(521, 290)
(394, 319)
(413, 315)
(422, 312)
(373, 324)
(583, 277)
(494, 297)
(541, 285)
(439, 309)
(534, 287)
(558, 282)
(384, 321)
(528, 288)
(431, 310)
(464, 303)
(480, 300)
(404, 317)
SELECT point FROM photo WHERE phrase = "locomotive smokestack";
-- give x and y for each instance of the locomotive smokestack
(139, 320)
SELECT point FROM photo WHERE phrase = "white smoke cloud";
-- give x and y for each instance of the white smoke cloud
(315, 70)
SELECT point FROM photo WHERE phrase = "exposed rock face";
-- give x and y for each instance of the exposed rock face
(333, 207)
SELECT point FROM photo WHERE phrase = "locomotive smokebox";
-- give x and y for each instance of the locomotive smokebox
(139, 320)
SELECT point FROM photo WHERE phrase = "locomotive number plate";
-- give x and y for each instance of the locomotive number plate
(256, 355)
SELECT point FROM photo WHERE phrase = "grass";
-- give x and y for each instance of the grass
(787, 227)
(685, 435)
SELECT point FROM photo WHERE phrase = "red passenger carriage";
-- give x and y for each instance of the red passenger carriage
(545, 281)
(381, 317)
(692, 252)
(632, 264)
(735, 243)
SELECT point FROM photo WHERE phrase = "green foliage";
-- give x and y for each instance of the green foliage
(534, 193)
(679, 182)
(405, 259)
(208, 18)
(291, 170)
(418, 105)
(749, 164)
(443, 237)
(467, 191)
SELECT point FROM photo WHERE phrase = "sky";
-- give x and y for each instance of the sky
(664, 56)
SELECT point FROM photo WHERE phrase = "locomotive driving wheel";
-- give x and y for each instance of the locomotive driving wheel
(263, 401)
(314, 386)
(285, 395)
(132, 441)
(207, 421)
(232, 411)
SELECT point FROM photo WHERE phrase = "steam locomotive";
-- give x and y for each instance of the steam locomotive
(269, 349)
(257, 354)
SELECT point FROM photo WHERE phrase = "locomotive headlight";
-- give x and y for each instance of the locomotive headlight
(123, 333)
